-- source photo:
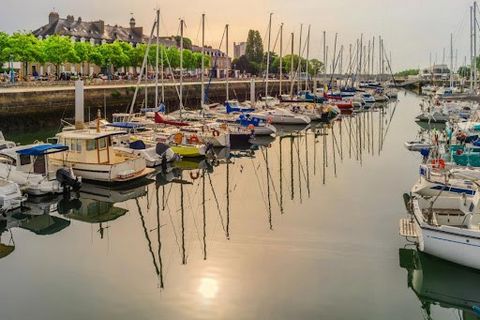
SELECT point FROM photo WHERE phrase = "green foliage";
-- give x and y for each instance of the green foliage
(246, 66)
(409, 72)
(187, 43)
(464, 72)
(23, 47)
(254, 47)
(58, 50)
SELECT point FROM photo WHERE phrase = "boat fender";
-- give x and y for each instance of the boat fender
(438, 163)
(215, 132)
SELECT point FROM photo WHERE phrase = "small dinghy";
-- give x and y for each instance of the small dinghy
(417, 145)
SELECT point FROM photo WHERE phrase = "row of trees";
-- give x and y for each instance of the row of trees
(254, 60)
(58, 50)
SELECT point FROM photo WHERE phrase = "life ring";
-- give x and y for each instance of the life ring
(178, 138)
(438, 164)
(215, 132)
(194, 175)
(193, 139)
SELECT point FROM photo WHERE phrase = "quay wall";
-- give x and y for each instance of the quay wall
(27, 110)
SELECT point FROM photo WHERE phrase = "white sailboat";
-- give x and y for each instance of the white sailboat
(11, 197)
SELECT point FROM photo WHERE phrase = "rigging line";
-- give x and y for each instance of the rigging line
(159, 252)
(216, 201)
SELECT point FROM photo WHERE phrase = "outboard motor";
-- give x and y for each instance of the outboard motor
(67, 180)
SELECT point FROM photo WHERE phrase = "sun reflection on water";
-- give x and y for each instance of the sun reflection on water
(208, 288)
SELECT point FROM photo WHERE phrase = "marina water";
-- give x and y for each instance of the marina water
(303, 227)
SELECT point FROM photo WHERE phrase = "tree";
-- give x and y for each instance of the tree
(246, 66)
(316, 66)
(409, 72)
(23, 47)
(58, 50)
(464, 72)
(273, 68)
(3, 45)
(254, 47)
(187, 43)
(83, 50)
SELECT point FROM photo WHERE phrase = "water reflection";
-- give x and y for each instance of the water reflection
(441, 284)
(183, 212)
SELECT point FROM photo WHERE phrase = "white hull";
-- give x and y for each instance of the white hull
(282, 118)
(10, 196)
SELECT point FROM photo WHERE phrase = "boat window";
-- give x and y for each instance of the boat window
(25, 160)
(102, 143)
(39, 166)
(91, 145)
(79, 145)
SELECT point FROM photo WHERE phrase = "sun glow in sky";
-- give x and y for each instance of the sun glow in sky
(411, 28)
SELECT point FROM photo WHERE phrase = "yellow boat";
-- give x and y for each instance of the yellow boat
(188, 148)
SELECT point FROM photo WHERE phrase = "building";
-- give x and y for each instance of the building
(436, 72)
(98, 32)
(239, 49)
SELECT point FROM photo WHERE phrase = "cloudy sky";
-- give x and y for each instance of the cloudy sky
(411, 28)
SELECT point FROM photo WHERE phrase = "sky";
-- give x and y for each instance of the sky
(411, 29)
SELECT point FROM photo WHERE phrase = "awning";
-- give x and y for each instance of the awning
(42, 149)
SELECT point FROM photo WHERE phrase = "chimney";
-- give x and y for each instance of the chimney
(79, 105)
(70, 18)
(79, 19)
(53, 17)
(100, 25)
(132, 22)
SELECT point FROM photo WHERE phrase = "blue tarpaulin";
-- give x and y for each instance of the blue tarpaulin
(42, 149)
(125, 125)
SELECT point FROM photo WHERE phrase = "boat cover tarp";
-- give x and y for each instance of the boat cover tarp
(125, 125)
(42, 149)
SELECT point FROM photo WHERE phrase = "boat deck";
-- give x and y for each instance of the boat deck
(407, 228)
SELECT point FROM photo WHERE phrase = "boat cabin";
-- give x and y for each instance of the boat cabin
(31, 158)
(86, 146)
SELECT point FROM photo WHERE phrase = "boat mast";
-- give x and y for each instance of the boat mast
(268, 58)
(451, 60)
(292, 62)
(471, 49)
(307, 62)
(202, 99)
(475, 45)
(181, 67)
(299, 68)
(157, 58)
(324, 57)
(281, 60)
(228, 66)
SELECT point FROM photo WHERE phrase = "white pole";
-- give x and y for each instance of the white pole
(268, 58)
(281, 60)
(228, 66)
(307, 63)
(156, 59)
(79, 105)
(181, 67)
(202, 99)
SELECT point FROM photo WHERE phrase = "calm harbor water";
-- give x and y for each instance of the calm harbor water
(303, 227)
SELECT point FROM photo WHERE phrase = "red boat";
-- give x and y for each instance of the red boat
(343, 104)
(162, 120)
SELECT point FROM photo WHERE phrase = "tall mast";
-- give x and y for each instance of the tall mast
(157, 58)
(471, 48)
(202, 99)
(325, 55)
(228, 65)
(475, 45)
(281, 60)
(181, 67)
(292, 62)
(268, 57)
(373, 56)
(299, 68)
(451, 60)
(307, 63)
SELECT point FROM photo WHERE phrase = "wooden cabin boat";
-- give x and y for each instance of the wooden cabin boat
(92, 157)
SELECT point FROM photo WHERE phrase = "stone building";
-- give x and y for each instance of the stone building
(239, 49)
(98, 32)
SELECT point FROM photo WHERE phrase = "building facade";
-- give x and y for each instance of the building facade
(98, 32)
(239, 49)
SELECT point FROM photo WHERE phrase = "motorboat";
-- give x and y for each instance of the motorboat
(281, 116)
(30, 167)
(91, 155)
(418, 145)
